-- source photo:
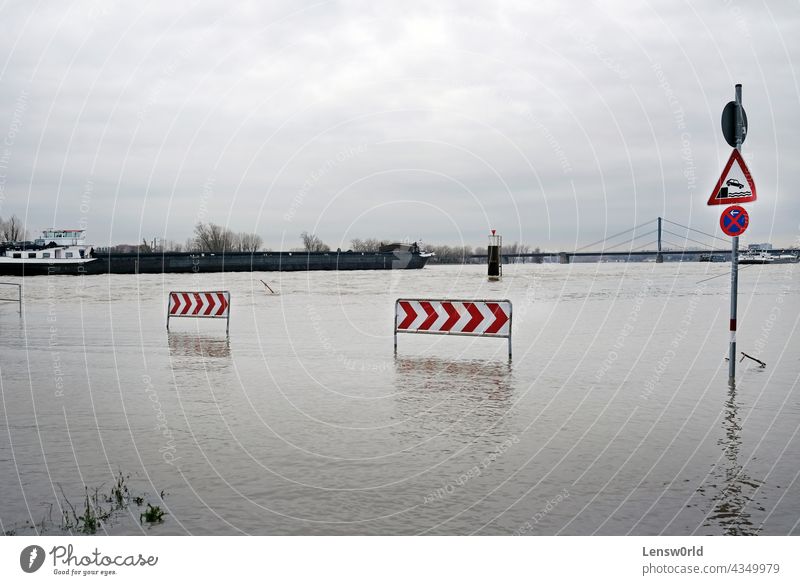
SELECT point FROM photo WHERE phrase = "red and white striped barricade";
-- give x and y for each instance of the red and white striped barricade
(481, 318)
(200, 305)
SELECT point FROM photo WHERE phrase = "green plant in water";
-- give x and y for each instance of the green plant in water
(98, 508)
(152, 515)
(119, 493)
(89, 522)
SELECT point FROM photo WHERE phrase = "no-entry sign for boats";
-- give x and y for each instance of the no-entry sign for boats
(483, 318)
(735, 184)
(200, 304)
(734, 220)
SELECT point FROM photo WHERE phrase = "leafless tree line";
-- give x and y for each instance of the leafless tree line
(368, 245)
(517, 248)
(12, 229)
(313, 243)
(463, 254)
(445, 254)
(211, 237)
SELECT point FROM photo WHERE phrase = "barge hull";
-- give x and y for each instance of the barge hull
(168, 263)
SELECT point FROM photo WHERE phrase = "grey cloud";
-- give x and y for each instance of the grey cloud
(552, 127)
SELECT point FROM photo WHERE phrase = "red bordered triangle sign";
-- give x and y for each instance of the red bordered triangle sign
(735, 185)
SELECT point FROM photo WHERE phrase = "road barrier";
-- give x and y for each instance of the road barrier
(475, 318)
(18, 300)
(200, 305)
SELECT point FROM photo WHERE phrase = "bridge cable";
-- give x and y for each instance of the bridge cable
(696, 230)
(628, 241)
(614, 236)
(648, 244)
(689, 239)
(678, 246)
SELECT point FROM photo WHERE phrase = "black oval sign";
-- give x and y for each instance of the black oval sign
(729, 123)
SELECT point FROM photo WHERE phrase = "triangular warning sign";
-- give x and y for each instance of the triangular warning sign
(735, 185)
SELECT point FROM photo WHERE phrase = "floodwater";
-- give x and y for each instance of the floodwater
(614, 417)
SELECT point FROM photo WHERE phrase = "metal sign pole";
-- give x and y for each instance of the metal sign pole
(735, 253)
(169, 308)
(510, 319)
(395, 327)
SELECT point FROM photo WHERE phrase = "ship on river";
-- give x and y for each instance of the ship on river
(65, 252)
(764, 257)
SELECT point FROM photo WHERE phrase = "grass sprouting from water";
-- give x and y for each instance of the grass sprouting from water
(96, 511)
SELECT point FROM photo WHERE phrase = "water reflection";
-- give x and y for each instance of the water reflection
(472, 379)
(730, 511)
(462, 402)
(193, 345)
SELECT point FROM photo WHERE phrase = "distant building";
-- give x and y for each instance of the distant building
(758, 247)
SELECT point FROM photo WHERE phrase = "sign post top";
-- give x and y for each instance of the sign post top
(735, 185)
(729, 122)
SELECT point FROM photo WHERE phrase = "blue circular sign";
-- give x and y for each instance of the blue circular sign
(734, 220)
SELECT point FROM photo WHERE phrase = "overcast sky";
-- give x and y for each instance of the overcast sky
(432, 120)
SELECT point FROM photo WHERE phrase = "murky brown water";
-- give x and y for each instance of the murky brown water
(614, 417)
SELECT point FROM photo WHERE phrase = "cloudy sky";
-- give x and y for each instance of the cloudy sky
(432, 120)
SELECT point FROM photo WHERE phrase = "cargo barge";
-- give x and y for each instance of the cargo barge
(63, 252)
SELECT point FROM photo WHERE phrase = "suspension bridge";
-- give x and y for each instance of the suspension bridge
(658, 238)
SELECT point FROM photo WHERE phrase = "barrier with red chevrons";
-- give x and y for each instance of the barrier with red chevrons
(200, 304)
(481, 318)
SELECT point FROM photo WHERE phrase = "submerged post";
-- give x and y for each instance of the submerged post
(735, 250)
(494, 258)
(18, 300)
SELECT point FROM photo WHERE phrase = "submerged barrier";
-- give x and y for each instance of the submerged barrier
(476, 318)
(18, 300)
(201, 305)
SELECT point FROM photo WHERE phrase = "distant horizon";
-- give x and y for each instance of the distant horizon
(744, 242)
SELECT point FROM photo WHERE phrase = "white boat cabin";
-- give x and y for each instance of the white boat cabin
(61, 237)
(64, 245)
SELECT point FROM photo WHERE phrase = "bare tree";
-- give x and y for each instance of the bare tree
(368, 245)
(171, 246)
(12, 229)
(248, 242)
(463, 254)
(313, 243)
(210, 237)
(451, 254)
